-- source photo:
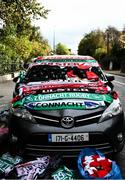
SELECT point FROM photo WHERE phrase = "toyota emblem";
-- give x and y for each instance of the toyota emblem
(67, 122)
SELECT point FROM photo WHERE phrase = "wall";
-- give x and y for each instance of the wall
(8, 77)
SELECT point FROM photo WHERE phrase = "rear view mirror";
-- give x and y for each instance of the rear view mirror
(25, 65)
(110, 77)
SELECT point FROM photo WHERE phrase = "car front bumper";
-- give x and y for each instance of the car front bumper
(103, 136)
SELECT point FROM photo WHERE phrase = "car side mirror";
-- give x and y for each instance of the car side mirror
(25, 65)
(110, 77)
(15, 79)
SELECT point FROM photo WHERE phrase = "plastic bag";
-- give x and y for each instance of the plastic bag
(114, 173)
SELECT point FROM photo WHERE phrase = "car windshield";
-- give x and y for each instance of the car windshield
(48, 73)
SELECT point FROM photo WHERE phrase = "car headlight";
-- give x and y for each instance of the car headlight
(114, 109)
(23, 114)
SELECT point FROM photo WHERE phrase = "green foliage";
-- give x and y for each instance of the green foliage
(18, 14)
(112, 36)
(105, 46)
(19, 39)
(92, 43)
(9, 59)
(40, 49)
(114, 46)
(99, 53)
(61, 49)
(17, 11)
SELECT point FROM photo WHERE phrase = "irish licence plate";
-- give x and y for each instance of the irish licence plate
(75, 137)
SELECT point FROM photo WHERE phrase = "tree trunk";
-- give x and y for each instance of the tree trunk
(123, 67)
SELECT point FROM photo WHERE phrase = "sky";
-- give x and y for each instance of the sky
(69, 20)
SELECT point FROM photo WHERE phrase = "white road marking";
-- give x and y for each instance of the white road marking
(115, 75)
(121, 83)
(119, 76)
(122, 77)
(2, 105)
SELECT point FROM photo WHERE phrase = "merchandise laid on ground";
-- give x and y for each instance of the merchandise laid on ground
(63, 105)
(91, 164)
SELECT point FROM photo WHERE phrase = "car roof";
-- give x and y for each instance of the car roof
(64, 60)
(54, 57)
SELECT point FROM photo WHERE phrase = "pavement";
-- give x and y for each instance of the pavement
(115, 72)
(8, 77)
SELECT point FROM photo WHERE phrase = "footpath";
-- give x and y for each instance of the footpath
(8, 77)
(115, 73)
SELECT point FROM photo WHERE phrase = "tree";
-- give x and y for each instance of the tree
(18, 14)
(92, 44)
(100, 53)
(7, 58)
(19, 11)
(62, 49)
(40, 49)
(112, 36)
(114, 46)
(20, 39)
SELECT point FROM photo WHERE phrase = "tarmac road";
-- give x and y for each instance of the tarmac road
(119, 83)
(6, 90)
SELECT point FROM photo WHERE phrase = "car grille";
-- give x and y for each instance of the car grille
(66, 151)
(38, 145)
(79, 120)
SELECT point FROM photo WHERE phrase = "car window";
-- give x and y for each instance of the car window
(99, 72)
(47, 73)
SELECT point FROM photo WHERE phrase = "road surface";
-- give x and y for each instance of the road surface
(119, 83)
(6, 90)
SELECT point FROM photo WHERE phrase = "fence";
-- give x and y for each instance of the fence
(6, 68)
